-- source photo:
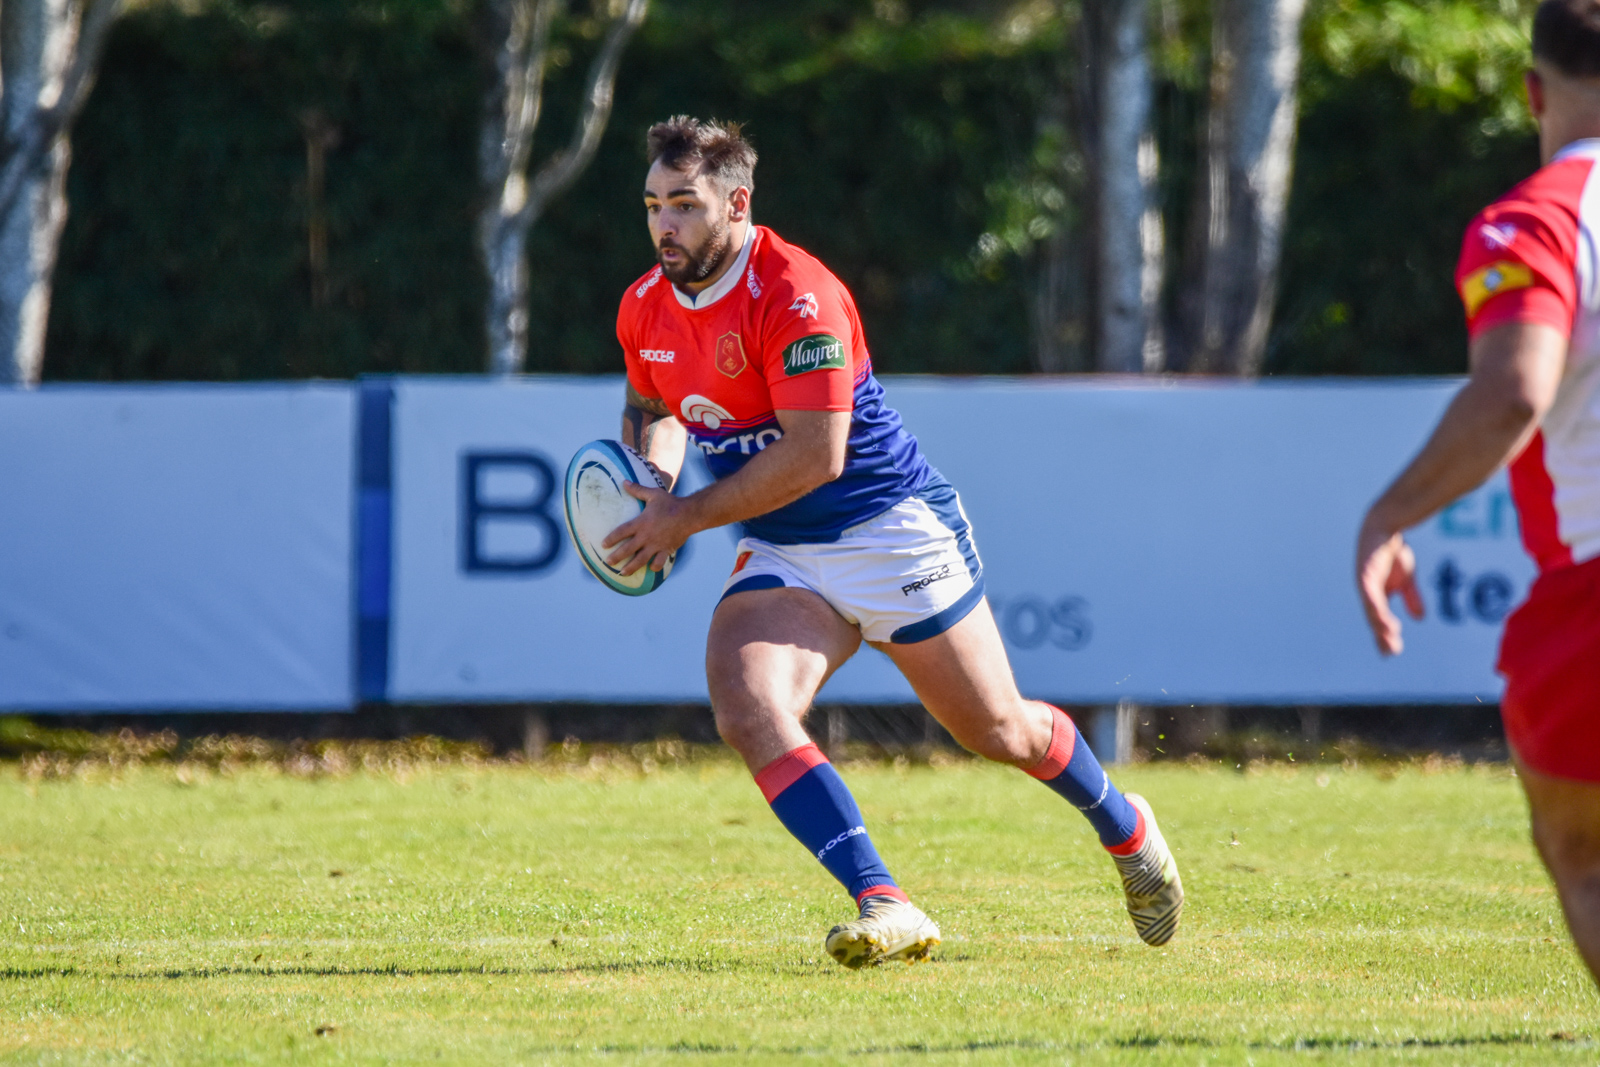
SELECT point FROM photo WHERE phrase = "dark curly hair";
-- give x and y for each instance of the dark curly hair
(682, 142)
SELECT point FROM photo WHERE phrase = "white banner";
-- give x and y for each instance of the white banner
(489, 600)
(1160, 542)
(167, 547)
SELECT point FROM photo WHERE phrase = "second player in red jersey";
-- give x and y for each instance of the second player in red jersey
(1530, 282)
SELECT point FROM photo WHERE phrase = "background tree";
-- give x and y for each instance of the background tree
(1230, 274)
(1125, 231)
(48, 52)
(514, 200)
(945, 205)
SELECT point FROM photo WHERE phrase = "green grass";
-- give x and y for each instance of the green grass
(502, 914)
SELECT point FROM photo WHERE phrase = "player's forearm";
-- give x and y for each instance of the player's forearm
(780, 474)
(1480, 432)
(1516, 369)
(658, 438)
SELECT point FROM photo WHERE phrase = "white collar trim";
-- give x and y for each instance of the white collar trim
(1588, 147)
(725, 284)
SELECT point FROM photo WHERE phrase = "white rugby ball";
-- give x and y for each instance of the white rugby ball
(597, 504)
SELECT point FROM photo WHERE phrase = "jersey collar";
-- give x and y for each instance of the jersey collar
(725, 284)
(1588, 148)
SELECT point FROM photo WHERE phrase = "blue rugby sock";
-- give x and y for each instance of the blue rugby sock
(1071, 770)
(811, 800)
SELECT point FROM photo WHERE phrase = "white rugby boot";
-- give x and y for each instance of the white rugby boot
(887, 929)
(1150, 881)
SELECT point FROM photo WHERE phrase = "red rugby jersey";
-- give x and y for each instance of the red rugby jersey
(1530, 257)
(777, 332)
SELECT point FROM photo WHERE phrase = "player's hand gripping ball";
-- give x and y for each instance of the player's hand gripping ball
(597, 504)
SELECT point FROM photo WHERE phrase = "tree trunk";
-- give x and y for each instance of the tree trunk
(48, 51)
(1060, 306)
(30, 231)
(520, 30)
(1127, 230)
(1242, 195)
(1060, 341)
(506, 258)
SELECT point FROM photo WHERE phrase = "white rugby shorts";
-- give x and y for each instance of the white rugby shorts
(903, 576)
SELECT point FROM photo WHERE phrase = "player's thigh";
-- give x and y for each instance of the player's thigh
(963, 677)
(1566, 821)
(771, 650)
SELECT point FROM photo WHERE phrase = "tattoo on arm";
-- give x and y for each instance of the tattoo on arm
(633, 426)
(640, 415)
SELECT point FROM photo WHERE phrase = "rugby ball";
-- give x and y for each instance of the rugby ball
(596, 504)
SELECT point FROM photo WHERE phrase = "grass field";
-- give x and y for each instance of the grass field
(507, 914)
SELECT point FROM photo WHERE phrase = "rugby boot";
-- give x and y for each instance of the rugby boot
(1150, 881)
(887, 929)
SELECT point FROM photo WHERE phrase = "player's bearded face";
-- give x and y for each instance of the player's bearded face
(698, 260)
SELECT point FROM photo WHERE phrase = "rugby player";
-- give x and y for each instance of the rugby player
(1528, 278)
(752, 351)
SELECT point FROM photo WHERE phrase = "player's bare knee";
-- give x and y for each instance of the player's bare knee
(1001, 740)
(735, 727)
(1570, 849)
(745, 722)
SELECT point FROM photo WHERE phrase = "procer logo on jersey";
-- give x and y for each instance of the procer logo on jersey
(813, 353)
(657, 355)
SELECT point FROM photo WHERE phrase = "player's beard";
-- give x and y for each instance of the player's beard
(698, 264)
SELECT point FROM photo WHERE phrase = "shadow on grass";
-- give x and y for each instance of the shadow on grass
(1350, 1044)
(389, 971)
(1143, 1042)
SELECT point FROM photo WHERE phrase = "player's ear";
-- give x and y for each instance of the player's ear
(1535, 86)
(739, 204)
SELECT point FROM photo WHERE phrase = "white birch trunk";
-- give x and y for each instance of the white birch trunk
(1128, 234)
(48, 51)
(1243, 191)
(30, 231)
(513, 202)
(1061, 331)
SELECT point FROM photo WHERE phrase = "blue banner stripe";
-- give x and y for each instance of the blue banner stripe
(374, 537)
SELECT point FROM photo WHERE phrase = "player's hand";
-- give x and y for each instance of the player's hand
(660, 530)
(1385, 565)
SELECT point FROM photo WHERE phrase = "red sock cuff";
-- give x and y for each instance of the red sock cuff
(787, 769)
(1063, 736)
(883, 891)
(1132, 844)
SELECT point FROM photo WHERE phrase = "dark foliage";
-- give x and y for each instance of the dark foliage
(185, 253)
(911, 154)
(1383, 191)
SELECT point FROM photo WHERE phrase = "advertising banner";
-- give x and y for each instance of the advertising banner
(1152, 541)
(171, 547)
(488, 599)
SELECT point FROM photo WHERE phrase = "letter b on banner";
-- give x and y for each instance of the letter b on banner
(506, 521)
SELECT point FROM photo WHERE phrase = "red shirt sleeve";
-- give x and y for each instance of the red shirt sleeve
(1517, 265)
(809, 344)
(638, 369)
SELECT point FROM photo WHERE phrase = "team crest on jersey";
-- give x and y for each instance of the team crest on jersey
(806, 305)
(730, 355)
